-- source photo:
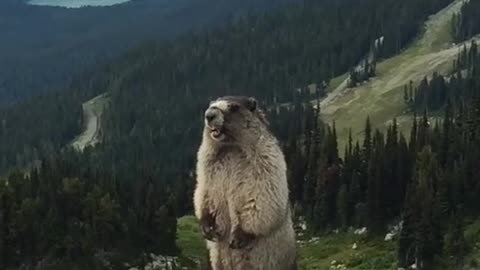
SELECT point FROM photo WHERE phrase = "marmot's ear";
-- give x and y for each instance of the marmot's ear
(252, 104)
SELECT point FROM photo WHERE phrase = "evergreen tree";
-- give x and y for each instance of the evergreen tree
(406, 97)
(455, 242)
(406, 242)
(428, 241)
(342, 205)
(375, 191)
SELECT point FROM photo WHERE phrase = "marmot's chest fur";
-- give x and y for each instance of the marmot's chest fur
(226, 172)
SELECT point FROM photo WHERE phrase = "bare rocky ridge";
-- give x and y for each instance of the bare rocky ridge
(92, 111)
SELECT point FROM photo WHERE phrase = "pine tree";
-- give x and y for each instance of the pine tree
(355, 197)
(406, 97)
(356, 194)
(342, 206)
(455, 242)
(320, 208)
(423, 131)
(391, 181)
(367, 142)
(446, 136)
(404, 170)
(332, 178)
(406, 242)
(411, 93)
(413, 136)
(366, 154)
(375, 191)
(311, 166)
(332, 146)
(428, 239)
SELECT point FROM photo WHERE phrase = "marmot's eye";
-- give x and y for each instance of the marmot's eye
(234, 107)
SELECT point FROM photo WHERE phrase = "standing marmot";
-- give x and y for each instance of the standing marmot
(241, 199)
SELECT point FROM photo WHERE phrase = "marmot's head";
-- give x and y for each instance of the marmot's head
(234, 119)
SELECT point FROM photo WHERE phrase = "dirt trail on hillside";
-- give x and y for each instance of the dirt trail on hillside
(92, 111)
(381, 98)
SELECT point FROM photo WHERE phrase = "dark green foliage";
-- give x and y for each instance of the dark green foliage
(44, 48)
(427, 241)
(466, 24)
(65, 211)
(439, 195)
(455, 242)
(342, 207)
(431, 182)
(375, 185)
(36, 129)
(464, 83)
(406, 247)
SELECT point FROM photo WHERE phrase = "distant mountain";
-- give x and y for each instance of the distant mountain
(43, 47)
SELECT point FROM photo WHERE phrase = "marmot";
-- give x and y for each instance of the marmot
(241, 197)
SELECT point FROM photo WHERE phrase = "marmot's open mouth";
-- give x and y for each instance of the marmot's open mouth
(216, 134)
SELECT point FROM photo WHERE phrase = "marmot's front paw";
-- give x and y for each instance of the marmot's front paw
(208, 227)
(241, 239)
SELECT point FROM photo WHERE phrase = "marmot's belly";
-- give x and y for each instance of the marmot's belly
(274, 252)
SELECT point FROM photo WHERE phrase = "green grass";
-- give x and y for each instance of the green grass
(373, 254)
(335, 82)
(370, 254)
(189, 238)
(381, 98)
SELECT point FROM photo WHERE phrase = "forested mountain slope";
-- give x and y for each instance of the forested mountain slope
(43, 48)
(467, 23)
(389, 202)
(123, 195)
(381, 98)
(267, 55)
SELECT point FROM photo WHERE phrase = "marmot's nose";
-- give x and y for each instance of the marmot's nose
(211, 114)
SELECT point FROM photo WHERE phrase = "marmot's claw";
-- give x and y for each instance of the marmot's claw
(208, 232)
(241, 239)
(209, 227)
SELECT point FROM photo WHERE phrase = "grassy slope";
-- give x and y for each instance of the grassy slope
(370, 254)
(373, 254)
(382, 97)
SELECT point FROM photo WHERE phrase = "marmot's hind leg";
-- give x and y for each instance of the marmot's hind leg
(218, 266)
(214, 260)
